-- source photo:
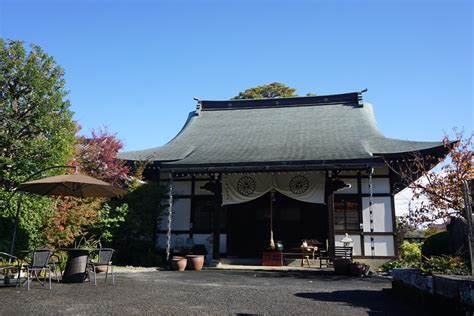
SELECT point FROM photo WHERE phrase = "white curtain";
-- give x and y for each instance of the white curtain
(306, 187)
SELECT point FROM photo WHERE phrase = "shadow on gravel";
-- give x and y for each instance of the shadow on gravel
(377, 302)
(320, 275)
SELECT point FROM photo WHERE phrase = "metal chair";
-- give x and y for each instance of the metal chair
(54, 263)
(103, 260)
(10, 267)
(39, 263)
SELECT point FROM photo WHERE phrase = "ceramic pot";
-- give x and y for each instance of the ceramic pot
(179, 263)
(196, 261)
(341, 266)
(279, 246)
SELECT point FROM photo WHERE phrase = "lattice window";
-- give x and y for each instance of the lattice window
(346, 213)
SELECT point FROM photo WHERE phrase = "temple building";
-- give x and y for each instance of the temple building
(298, 168)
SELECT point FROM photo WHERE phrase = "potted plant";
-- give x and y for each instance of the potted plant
(358, 268)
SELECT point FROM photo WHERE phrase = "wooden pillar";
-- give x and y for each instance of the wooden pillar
(331, 232)
(330, 205)
(216, 220)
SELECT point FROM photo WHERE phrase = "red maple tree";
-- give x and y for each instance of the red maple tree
(96, 157)
(438, 192)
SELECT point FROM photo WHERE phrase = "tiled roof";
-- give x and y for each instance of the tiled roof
(279, 131)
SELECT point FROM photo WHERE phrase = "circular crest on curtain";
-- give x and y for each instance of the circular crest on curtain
(299, 184)
(246, 186)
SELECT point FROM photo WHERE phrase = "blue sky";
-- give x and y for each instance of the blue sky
(135, 66)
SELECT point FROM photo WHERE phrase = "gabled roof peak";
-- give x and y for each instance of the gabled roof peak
(352, 98)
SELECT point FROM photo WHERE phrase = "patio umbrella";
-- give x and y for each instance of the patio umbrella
(75, 184)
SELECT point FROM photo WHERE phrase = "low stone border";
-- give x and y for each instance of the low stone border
(450, 288)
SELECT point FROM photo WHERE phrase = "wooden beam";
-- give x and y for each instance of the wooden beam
(216, 233)
(330, 206)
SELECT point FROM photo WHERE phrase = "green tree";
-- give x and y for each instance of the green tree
(36, 130)
(135, 239)
(272, 90)
(92, 219)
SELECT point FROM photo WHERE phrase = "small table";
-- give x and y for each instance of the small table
(76, 264)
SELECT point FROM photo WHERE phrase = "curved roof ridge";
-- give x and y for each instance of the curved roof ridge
(283, 135)
(351, 98)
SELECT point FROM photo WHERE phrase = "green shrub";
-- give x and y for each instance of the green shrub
(444, 265)
(410, 252)
(390, 265)
(410, 257)
(436, 245)
(135, 238)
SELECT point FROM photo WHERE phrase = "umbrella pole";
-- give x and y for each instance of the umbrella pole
(272, 242)
(17, 219)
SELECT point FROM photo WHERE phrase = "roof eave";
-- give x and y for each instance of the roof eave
(276, 166)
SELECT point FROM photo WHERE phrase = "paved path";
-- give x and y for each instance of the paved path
(212, 292)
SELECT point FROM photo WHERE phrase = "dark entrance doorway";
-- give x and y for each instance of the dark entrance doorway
(248, 224)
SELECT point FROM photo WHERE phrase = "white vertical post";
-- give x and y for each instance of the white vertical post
(371, 212)
(170, 217)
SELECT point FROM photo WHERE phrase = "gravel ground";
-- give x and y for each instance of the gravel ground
(212, 292)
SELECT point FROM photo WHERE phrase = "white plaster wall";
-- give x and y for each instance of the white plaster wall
(162, 239)
(198, 190)
(206, 240)
(380, 185)
(382, 214)
(352, 189)
(181, 215)
(384, 246)
(356, 243)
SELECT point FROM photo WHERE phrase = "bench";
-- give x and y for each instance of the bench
(334, 254)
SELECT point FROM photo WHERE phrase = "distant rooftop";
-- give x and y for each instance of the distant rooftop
(317, 130)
